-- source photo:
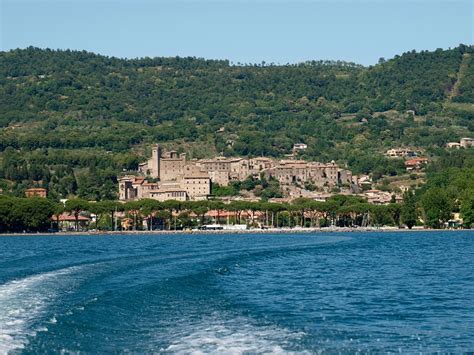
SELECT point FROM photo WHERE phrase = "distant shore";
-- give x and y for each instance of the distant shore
(230, 231)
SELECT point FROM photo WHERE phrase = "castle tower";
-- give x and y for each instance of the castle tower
(155, 161)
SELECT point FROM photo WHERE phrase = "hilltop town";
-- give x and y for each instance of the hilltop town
(171, 176)
(167, 175)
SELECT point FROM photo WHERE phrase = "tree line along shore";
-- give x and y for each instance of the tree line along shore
(22, 215)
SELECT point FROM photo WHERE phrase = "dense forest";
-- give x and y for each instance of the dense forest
(72, 121)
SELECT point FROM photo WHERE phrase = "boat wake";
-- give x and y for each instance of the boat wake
(23, 301)
(232, 336)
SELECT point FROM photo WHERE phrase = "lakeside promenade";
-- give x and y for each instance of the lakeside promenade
(296, 230)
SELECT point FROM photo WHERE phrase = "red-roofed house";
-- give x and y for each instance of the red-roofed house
(415, 163)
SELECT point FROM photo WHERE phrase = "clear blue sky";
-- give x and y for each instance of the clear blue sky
(277, 31)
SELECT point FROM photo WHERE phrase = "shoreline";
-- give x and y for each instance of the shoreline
(230, 231)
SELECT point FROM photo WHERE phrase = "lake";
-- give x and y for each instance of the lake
(222, 293)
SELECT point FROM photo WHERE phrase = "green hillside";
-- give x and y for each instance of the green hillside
(74, 120)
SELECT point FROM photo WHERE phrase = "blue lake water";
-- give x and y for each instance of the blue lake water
(321, 292)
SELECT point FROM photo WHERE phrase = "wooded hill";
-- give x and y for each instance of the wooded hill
(72, 113)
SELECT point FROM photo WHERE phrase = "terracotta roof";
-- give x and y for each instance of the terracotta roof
(415, 161)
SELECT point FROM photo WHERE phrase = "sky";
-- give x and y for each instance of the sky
(243, 31)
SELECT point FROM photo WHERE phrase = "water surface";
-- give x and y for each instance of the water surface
(322, 292)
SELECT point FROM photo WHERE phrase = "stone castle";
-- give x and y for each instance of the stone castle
(177, 178)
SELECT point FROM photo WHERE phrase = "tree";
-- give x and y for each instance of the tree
(112, 207)
(58, 211)
(381, 215)
(76, 206)
(436, 206)
(174, 207)
(238, 207)
(302, 204)
(37, 213)
(101, 208)
(6, 218)
(467, 210)
(199, 208)
(408, 211)
(148, 208)
(133, 207)
(25, 214)
(217, 206)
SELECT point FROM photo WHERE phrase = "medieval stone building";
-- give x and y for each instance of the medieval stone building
(177, 178)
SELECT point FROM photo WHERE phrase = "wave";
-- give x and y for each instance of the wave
(218, 335)
(22, 301)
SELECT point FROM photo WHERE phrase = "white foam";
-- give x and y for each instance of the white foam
(235, 336)
(22, 301)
